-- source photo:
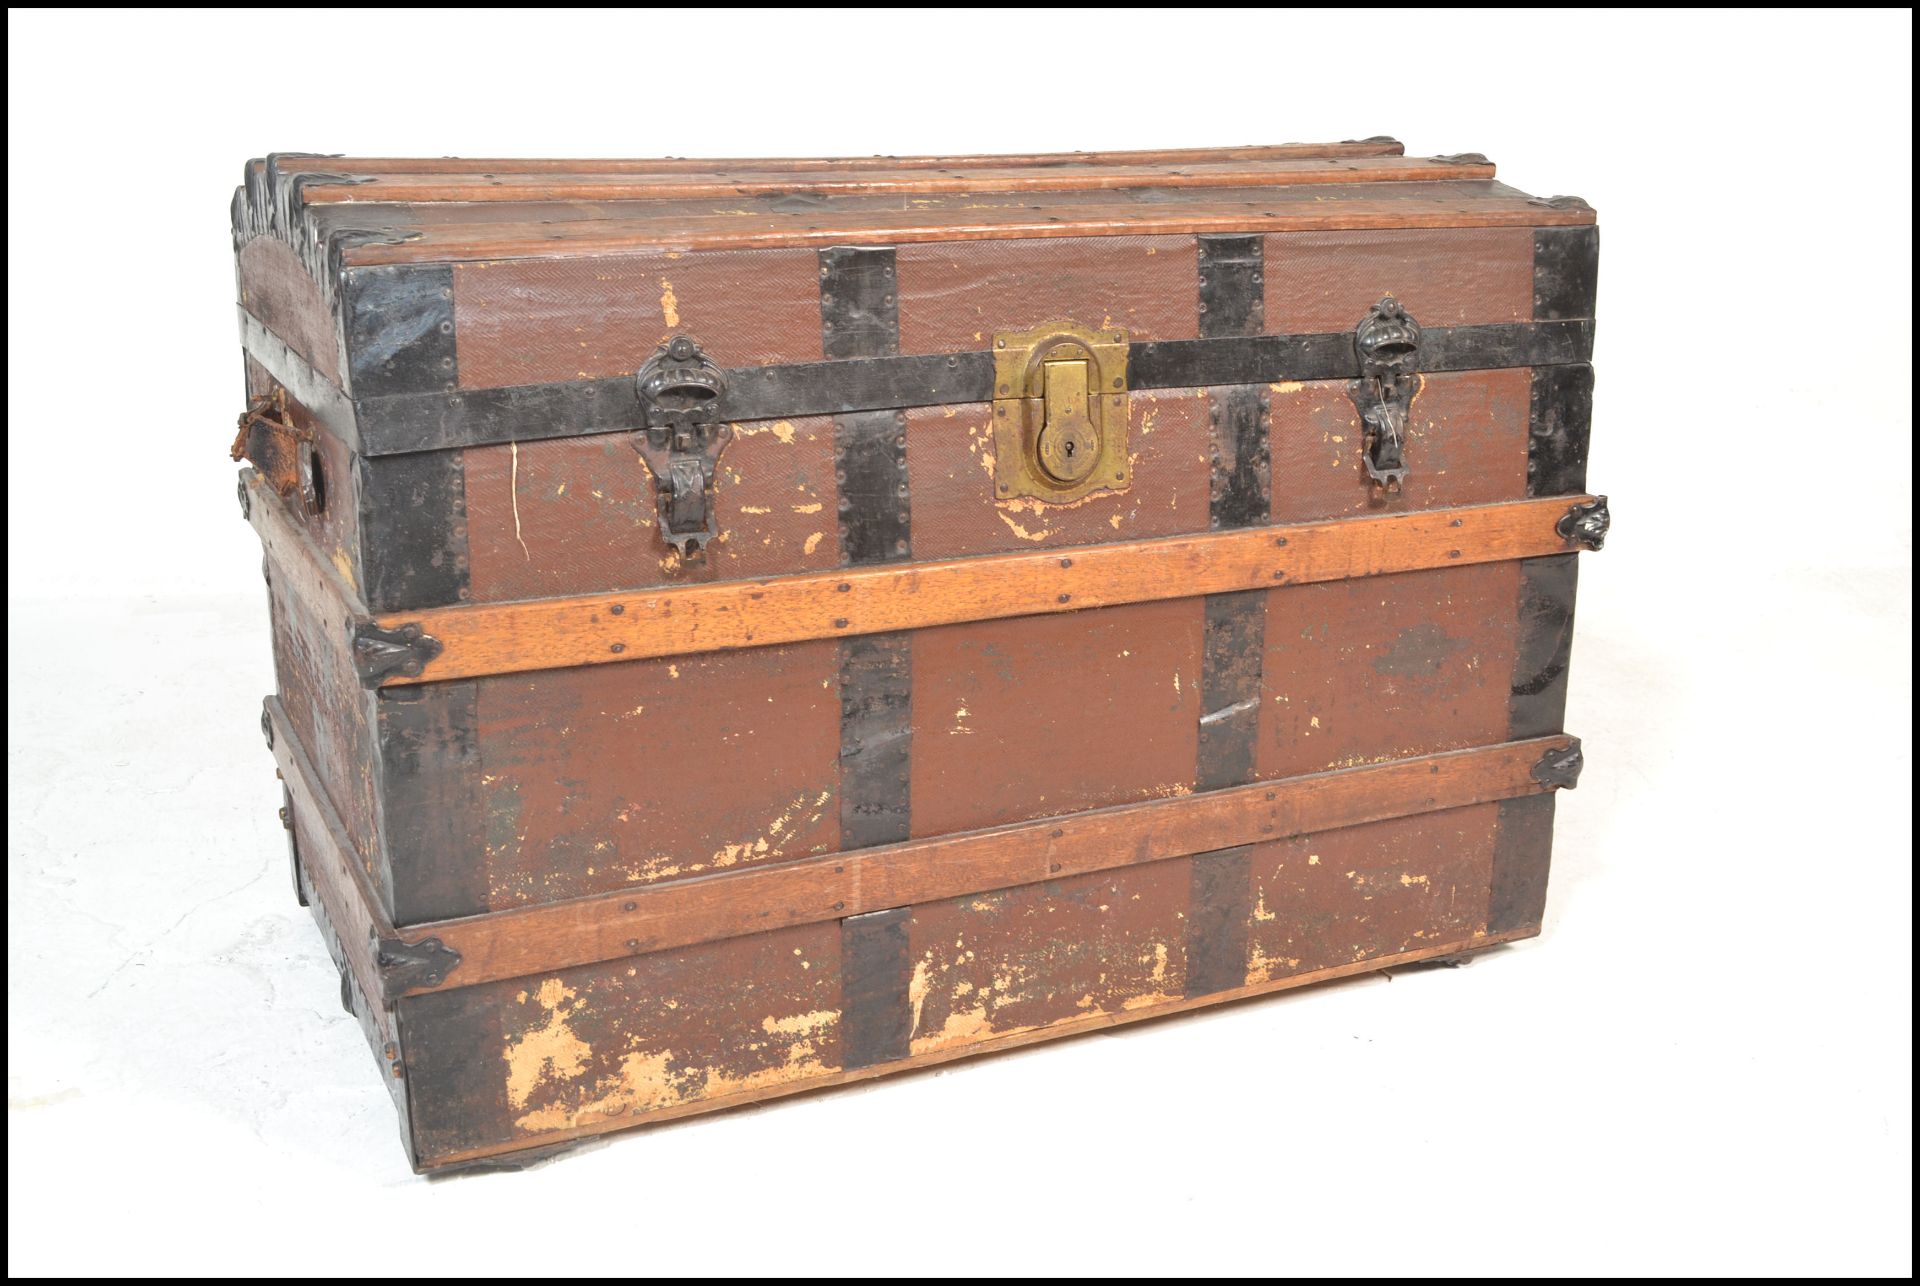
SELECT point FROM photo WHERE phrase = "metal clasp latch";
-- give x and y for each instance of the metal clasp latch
(682, 395)
(1387, 341)
(1059, 412)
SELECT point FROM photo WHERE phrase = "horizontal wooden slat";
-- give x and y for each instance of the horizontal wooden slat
(1463, 203)
(504, 638)
(1067, 177)
(292, 164)
(543, 939)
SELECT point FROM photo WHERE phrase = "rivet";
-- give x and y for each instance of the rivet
(1066, 562)
(999, 343)
(618, 608)
(1064, 598)
(630, 906)
(618, 647)
(446, 328)
(840, 623)
(843, 587)
(633, 944)
(899, 546)
(446, 363)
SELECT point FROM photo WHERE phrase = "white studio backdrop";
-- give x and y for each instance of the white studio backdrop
(1704, 1065)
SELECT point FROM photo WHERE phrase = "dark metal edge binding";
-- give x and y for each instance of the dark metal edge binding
(379, 652)
(1559, 768)
(413, 530)
(398, 323)
(405, 966)
(1522, 862)
(1543, 651)
(1219, 920)
(293, 844)
(430, 801)
(393, 425)
(1559, 202)
(1586, 525)
(1462, 158)
(876, 1023)
(1566, 269)
(1559, 426)
(355, 1000)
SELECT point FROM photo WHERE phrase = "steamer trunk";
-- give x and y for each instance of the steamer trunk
(748, 626)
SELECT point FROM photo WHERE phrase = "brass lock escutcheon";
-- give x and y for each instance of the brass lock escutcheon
(1059, 412)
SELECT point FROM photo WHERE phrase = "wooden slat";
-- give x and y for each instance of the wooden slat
(807, 164)
(544, 939)
(595, 629)
(1464, 204)
(410, 188)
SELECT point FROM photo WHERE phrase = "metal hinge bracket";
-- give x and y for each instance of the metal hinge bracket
(405, 966)
(379, 652)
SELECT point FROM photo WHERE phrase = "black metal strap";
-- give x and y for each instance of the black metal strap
(401, 423)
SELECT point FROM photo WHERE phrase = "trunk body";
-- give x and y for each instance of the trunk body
(704, 675)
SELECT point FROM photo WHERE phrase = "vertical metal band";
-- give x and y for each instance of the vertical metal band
(1522, 853)
(1232, 303)
(430, 808)
(1219, 920)
(876, 739)
(876, 1014)
(1232, 293)
(860, 317)
(1220, 892)
(1235, 646)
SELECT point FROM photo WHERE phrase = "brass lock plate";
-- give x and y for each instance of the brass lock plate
(1059, 412)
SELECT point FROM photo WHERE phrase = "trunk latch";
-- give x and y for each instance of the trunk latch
(1387, 342)
(1059, 412)
(683, 396)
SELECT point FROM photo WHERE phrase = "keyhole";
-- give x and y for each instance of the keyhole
(1070, 447)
